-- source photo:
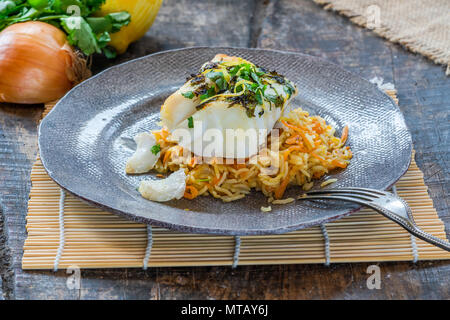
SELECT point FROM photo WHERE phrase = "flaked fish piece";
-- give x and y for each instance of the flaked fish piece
(146, 154)
(163, 190)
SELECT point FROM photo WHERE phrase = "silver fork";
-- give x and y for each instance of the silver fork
(386, 203)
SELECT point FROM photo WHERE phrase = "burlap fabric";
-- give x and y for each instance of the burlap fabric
(420, 25)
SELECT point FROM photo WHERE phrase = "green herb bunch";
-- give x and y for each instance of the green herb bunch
(75, 17)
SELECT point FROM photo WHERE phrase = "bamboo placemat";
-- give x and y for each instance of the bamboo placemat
(87, 237)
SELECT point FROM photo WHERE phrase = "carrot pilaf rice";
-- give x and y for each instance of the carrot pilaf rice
(307, 148)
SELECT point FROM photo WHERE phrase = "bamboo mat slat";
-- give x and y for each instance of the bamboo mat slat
(98, 239)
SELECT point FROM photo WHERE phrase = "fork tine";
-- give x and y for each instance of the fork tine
(380, 192)
(355, 195)
(349, 191)
(336, 197)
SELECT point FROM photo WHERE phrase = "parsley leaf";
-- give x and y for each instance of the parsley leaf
(109, 52)
(39, 4)
(188, 94)
(218, 78)
(258, 97)
(156, 149)
(89, 34)
(289, 89)
(211, 92)
(190, 122)
(80, 34)
(255, 77)
(110, 23)
(6, 7)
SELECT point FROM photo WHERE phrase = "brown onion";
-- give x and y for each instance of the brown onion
(37, 64)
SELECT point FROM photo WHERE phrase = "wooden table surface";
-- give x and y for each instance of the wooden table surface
(297, 25)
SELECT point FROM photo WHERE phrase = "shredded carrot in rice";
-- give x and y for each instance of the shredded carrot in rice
(216, 180)
(344, 135)
(193, 161)
(323, 161)
(308, 149)
(317, 127)
(282, 187)
(191, 192)
(293, 148)
(301, 131)
(161, 134)
(166, 156)
(339, 163)
(293, 140)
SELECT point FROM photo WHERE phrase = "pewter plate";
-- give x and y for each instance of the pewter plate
(87, 137)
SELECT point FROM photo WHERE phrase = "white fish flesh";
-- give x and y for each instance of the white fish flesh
(162, 190)
(228, 96)
(143, 159)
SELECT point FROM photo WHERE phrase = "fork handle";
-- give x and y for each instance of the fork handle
(411, 227)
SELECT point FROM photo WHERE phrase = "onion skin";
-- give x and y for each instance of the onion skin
(37, 64)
